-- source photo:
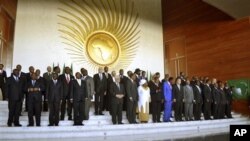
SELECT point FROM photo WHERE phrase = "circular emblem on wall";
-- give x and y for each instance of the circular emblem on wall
(99, 32)
(103, 48)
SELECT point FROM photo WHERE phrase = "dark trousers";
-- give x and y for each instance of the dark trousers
(34, 108)
(222, 110)
(207, 110)
(197, 111)
(131, 111)
(178, 110)
(86, 109)
(14, 108)
(2, 87)
(107, 102)
(99, 103)
(116, 111)
(63, 108)
(54, 112)
(78, 112)
(156, 110)
(228, 110)
(45, 103)
(216, 111)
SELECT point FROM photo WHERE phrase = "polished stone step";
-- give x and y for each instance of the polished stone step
(116, 130)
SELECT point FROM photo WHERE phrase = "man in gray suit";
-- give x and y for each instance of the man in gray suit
(188, 100)
(90, 91)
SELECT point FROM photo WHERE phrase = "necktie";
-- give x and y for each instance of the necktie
(67, 78)
(118, 85)
(100, 76)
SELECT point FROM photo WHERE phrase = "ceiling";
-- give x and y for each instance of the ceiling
(235, 8)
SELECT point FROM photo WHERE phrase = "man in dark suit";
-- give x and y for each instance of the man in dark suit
(90, 91)
(3, 79)
(138, 76)
(216, 100)
(178, 98)
(156, 97)
(107, 97)
(47, 76)
(132, 95)
(207, 99)
(117, 92)
(54, 97)
(198, 100)
(43, 82)
(100, 82)
(229, 93)
(22, 77)
(66, 79)
(78, 97)
(14, 91)
(34, 90)
(28, 78)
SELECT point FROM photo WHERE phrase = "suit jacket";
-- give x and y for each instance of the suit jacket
(216, 95)
(14, 89)
(207, 93)
(43, 82)
(90, 87)
(28, 77)
(228, 92)
(131, 89)
(3, 78)
(223, 98)
(47, 78)
(167, 91)
(54, 91)
(78, 93)
(114, 90)
(188, 94)
(155, 96)
(100, 85)
(35, 94)
(66, 85)
(197, 94)
(178, 93)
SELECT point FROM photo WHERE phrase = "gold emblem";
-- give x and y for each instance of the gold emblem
(103, 48)
(99, 32)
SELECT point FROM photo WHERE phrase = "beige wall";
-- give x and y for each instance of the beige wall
(38, 42)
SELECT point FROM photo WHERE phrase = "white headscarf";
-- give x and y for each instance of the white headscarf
(143, 81)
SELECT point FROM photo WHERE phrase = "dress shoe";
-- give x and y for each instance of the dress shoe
(30, 125)
(9, 125)
(18, 125)
(70, 118)
(38, 125)
(120, 123)
(101, 114)
(50, 125)
(135, 122)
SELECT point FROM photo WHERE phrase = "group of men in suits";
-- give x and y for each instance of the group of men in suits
(196, 96)
(61, 93)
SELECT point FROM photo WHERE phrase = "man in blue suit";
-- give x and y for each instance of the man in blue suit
(167, 91)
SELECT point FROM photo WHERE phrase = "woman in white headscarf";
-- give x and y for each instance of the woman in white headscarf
(144, 99)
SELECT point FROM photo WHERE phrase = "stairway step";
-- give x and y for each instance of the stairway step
(108, 130)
